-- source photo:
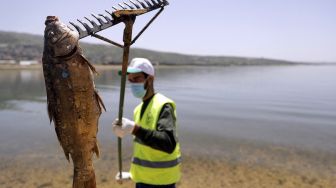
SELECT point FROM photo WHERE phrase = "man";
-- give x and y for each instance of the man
(156, 156)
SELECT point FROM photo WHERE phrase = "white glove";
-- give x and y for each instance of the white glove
(125, 176)
(126, 127)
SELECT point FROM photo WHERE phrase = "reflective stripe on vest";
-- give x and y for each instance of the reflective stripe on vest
(157, 164)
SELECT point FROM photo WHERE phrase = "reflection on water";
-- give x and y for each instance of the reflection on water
(20, 85)
(284, 105)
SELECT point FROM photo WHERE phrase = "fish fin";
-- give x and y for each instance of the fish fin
(100, 101)
(93, 69)
(96, 149)
(50, 112)
(67, 155)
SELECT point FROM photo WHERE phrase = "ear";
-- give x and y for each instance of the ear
(149, 82)
(151, 78)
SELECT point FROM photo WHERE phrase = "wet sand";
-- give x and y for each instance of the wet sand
(44, 168)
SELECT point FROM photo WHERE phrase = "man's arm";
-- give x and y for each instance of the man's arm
(164, 137)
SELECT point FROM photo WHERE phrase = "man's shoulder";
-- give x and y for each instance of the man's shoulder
(162, 97)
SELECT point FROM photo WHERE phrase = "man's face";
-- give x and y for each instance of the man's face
(136, 77)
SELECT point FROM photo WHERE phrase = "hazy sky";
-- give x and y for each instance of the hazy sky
(298, 30)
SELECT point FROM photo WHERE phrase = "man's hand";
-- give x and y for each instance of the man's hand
(125, 176)
(126, 127)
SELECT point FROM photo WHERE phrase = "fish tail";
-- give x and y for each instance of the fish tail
(87, 183)
(50, 112)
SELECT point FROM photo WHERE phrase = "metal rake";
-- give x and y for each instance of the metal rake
(102, 21)
(126, 12)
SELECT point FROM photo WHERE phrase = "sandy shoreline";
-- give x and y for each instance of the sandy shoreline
(43, 169)
(197, 172)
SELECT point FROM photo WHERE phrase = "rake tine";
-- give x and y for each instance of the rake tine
(131, 7)
(149, 5)
(115, 8)
(76, 26)
(162, 2)
(136, 5)
(108, 12)
(99, 19)
(86, 26)
(94, 24)
(165, 2)
(154, 3)
(107, 19)
(107, 24)
(82, 33)
(142, 4)
(122, 6)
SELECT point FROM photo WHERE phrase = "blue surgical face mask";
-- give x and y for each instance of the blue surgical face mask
(138, 90)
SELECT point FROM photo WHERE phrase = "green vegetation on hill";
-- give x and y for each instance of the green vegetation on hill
(20, 46)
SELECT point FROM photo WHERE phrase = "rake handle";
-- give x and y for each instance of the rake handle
(127, 39)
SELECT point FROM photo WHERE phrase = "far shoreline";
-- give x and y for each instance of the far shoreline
(118, 66)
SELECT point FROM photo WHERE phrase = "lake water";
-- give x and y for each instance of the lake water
(218, 107)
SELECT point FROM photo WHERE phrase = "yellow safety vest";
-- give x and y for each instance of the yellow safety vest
(150, 165)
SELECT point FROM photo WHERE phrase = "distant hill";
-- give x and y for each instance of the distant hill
(21, 46)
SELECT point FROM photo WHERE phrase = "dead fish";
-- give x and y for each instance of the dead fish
(73, 103)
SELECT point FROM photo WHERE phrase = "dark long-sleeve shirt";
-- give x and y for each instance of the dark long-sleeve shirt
(164, 137)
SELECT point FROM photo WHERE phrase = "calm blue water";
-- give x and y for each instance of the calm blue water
(292, 106)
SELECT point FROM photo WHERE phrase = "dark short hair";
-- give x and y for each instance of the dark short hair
(145, 74)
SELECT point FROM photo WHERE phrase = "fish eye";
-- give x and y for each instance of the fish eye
(51, 34)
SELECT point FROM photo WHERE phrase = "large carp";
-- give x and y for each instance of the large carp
(73, 103)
